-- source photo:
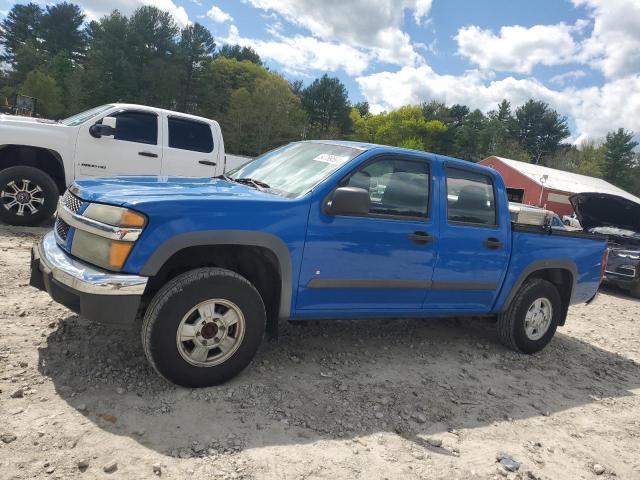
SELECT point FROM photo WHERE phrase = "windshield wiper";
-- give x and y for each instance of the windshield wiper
(225, 177)
(255, 183)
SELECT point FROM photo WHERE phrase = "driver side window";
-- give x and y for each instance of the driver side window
(397, 187)
(138, 127)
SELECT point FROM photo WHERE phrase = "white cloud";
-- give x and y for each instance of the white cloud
(595, 110)
(516, 48)
(614, 45)
(299, 54)
(564, 78)
(218, 15)
(97, 8)
(374, 25)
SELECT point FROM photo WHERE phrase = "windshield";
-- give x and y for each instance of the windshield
(296, 168)
(621, 232)
(82, 117)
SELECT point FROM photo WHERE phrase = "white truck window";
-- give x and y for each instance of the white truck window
(137, 127)
(189, 135)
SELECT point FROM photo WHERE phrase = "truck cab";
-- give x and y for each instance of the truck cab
(312, 230)
(40, 158)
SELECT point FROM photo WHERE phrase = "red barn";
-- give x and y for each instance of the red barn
(547, 187)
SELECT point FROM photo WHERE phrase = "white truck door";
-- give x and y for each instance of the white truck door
(135, 149)
(190, 148)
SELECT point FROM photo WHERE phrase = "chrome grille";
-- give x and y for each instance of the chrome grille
(72, 202)
(62, 228)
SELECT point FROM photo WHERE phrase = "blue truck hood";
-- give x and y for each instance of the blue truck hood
(143, 189)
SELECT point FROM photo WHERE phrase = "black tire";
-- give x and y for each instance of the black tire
(511, 323)
(635, 291)
(44, 200)
(170, 305)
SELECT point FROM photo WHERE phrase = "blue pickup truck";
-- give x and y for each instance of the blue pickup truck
(311, 230)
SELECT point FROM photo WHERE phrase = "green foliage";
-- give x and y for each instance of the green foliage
(539, 130)
(240, 53)
(61, 30)
(327, 105)
(44, 88)
(196, 47)
(262, 118)
(619, 158)
(19, 27)
(405, 127)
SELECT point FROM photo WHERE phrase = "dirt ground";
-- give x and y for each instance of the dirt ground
(362, 399)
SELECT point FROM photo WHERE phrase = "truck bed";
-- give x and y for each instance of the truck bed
(576, 251)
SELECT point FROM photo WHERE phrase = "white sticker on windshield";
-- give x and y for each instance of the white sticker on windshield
(332, 159)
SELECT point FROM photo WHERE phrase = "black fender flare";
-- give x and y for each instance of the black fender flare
(247, 238)
(537, 266)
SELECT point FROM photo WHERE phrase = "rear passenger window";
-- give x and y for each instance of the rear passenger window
(189, 135)
(470, 198)
(397, 187)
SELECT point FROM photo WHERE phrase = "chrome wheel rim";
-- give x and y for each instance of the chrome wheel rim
(22, 197)
(210, 333)
(538, 318)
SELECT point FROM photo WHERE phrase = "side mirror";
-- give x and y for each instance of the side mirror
(105, 129)
(349, 201)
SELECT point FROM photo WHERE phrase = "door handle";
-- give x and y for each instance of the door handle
(421, 238)
(492, 243)
(207, 162)
(148, 154)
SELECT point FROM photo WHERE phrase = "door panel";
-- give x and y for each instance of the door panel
(474, 244)
(381, 261)
(134, 149)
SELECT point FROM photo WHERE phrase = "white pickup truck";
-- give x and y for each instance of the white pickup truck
(40, 158)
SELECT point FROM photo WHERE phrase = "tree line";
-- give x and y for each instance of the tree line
(69, 65)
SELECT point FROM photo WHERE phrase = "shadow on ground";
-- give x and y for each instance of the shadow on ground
(325, 380)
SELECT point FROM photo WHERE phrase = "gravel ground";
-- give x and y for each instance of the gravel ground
(361, 399)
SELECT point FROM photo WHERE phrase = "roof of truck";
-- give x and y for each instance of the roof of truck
(134, 106)
(364, 146)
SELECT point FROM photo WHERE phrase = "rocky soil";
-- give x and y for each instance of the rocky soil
(363, 399)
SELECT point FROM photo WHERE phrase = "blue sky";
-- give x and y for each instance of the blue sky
(580, 56)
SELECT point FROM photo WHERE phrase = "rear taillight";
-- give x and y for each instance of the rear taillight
(605, 259)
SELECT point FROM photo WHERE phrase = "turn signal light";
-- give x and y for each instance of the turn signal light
(132, 219)
(118, 253)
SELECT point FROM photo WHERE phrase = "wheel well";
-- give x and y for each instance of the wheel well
(44, 159)
(259, 265)
(563, 280)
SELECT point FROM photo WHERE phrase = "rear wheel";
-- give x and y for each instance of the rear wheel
(531, 320)
(203, 327)
(28, 196)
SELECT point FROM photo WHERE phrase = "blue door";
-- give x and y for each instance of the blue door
(376, 262)
(474, 242)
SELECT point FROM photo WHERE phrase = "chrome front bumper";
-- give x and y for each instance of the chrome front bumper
(81, 277)
(106, 297)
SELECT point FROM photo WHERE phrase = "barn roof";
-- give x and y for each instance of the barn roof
(564, 181)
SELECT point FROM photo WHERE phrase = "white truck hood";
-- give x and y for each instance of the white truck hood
(18, 120)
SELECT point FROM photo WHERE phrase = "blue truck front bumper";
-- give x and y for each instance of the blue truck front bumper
(96, 294)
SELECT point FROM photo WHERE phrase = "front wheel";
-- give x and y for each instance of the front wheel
(635, 291)
(531, 320)
(203, 327)
(28, 196)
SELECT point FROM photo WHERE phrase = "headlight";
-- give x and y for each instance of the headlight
(106, 234)
(100, 251)
(118, 216)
